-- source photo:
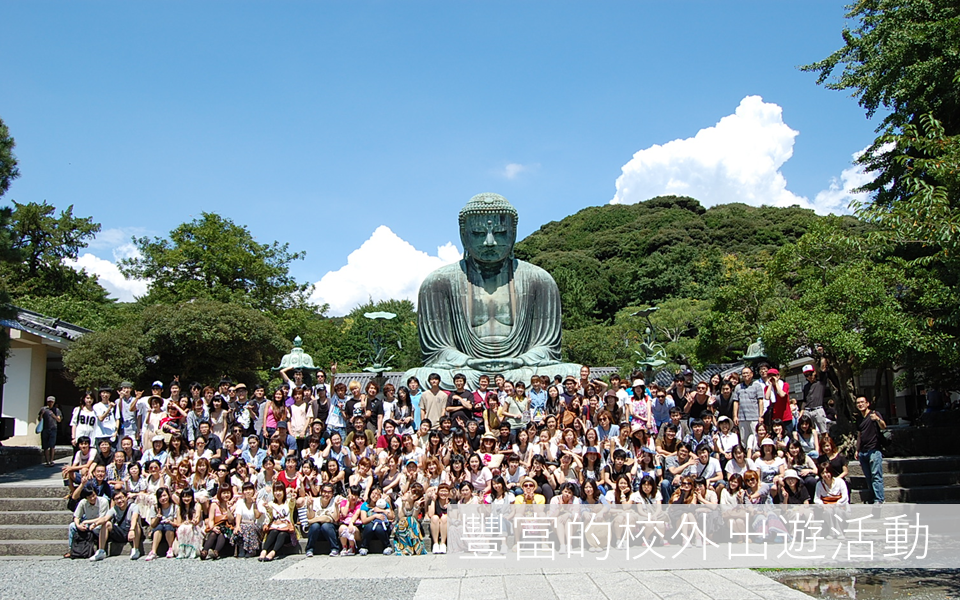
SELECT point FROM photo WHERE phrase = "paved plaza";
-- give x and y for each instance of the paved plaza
(440, 579)
(375, 577)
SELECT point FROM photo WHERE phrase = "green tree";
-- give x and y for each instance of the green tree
(747, 297)
(214, 258)
(599, 345)
(645, 253)
(677, 323)
(106, 358)
(8, 254)
(577, 304)
(8, 160)
(319, 333)
(847, 300)
(399, 336)
(72, 309)
(197, 340)
(45, 241)
(901, 57)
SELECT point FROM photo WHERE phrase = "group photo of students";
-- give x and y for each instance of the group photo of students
(213, 471)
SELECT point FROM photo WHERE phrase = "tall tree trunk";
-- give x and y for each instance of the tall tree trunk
(846, 385)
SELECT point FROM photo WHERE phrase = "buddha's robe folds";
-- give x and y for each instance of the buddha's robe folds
(459, 320)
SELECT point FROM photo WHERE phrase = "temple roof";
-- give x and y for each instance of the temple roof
(50, 328)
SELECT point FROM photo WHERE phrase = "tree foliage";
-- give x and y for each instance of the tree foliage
(320, 334)
(829, 290)
(900, 56)
(106, 358)
(645, 253)
(8, 160)
(197, 340)
(8, 254)
(44, 242)
(746, 298)
(399, 336)
(213, 258)
(903, 57)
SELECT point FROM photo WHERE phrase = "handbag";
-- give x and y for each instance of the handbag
(39, 425)
(84, 544)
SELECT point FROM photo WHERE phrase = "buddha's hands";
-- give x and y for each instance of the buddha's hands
(491, 365)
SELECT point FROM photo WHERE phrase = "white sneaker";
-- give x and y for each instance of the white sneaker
(99, 555)
(436, 549)
(562, 549)
(443, 548)
(134, 554)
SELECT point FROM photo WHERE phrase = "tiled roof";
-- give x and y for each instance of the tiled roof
(665, 378)
(394, 377)
(50, 328)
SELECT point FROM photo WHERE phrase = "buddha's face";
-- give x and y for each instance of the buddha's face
(488, 238)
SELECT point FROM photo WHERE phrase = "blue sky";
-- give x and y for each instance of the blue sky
(319, 123)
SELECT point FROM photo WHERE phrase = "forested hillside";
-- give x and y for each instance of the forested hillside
(610, 260)
(607, 257)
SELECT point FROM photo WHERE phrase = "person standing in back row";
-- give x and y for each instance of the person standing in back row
(51, 417)
(870, 426)
(816, 391)
(433, 402)
(747, 405)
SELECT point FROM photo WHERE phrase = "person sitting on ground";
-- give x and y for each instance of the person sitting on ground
(88, 516)
(323, 515)
(377, 517)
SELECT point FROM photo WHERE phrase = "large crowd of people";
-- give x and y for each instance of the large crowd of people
(207, 472)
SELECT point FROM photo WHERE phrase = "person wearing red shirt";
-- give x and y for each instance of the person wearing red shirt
(778, 397)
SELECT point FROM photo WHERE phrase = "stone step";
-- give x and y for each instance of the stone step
(33, 532)
(37, 504)
(33, 547)
(35, 491)
(32, 517)
(910, 480)
(920, 464)
(926, 494)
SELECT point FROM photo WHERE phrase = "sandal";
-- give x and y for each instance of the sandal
(214, 555)
(203, 555)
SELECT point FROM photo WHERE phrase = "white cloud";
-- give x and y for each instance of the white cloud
(110, 277)
(736, 160)
(513, 170)
(384, 267)
(119, 236)
(107, 272)
(838, 196)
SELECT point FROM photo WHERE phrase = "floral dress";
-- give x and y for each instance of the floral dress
(640, 413)
(190, 537)
(408, 536)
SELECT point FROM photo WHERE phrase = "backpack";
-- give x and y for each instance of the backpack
(84, 544)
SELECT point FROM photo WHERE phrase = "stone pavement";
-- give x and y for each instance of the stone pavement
(441, 578)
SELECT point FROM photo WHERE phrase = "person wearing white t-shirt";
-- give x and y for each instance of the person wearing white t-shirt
(106, 411)
(127, 411)
(83, 421)
(708, 467)
(739, 463)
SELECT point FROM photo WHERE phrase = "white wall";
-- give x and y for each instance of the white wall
(23, 392)
(16, 391)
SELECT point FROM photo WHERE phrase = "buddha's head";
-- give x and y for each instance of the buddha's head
(488, 229)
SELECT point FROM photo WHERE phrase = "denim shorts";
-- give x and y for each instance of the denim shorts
(164, 527)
